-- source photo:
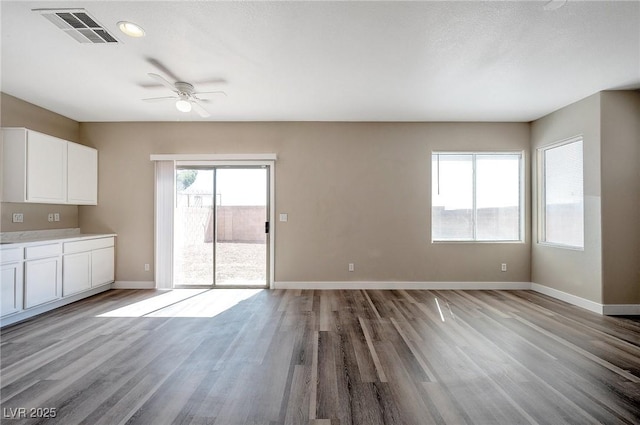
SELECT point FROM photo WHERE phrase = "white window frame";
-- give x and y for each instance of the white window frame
(541, 193)
(521, 201)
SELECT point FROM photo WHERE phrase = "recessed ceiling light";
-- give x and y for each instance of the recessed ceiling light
(131, 29)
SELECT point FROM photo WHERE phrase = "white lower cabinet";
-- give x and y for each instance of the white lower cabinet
(76, 273)
(10, 288)
(37, 277)
(102, 266)
(88, 264)
(42, 280)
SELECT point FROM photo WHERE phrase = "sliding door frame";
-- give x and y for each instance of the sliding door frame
(165, 203)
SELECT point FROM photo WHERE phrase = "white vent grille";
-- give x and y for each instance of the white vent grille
(81, 26)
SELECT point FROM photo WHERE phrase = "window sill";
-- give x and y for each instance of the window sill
(560, 246)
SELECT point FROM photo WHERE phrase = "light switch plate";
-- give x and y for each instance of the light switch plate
(284, 217)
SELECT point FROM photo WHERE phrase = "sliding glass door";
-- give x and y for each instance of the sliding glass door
(241, 227)
(221, 226)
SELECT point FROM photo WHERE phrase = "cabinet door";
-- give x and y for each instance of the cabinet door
(46, 168)
(10, 288)
(76, 273)
(41, 281)
(82, 175)
(102, 267)
(14, 165)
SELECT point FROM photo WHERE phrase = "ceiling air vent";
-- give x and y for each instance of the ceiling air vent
(81, 26)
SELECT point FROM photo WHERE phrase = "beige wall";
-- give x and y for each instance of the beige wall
(359, 192)
(573, 271)
(35, 216)
(354, 192)
(18, 113)
(621, 197)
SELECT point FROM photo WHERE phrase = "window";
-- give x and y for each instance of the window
(562, 194)
(476, 196)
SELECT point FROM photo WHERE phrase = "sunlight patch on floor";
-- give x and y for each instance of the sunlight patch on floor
(185, 303)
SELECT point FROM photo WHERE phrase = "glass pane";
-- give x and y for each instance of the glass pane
(498, 197)
(563, 195)
(193, 235)
(241, 250)
(452, 197)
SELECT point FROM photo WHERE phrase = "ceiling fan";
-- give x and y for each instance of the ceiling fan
(185, 95)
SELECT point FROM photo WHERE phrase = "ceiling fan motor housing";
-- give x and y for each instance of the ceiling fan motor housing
(184, 88)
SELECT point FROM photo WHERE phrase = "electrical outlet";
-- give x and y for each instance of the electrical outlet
(50, 217)
(351, 267)
(146, 267)
(284, 217)
(56, 217)
(18, 218)
(503, 267)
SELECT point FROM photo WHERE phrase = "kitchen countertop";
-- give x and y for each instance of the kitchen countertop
(36, 237)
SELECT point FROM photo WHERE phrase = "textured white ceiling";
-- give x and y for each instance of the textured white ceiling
(326, 61)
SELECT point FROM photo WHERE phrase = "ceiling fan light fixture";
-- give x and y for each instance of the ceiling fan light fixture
(183, 105)
(131, 29)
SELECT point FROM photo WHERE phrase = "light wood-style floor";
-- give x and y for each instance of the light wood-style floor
(322, 357)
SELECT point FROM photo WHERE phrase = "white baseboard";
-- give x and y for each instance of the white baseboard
(133, 284)
(569, 298)
(405, 285)
(621, 309)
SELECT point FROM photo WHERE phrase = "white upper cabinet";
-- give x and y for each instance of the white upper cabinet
(45, 169)
(34, 167)
(82, 175)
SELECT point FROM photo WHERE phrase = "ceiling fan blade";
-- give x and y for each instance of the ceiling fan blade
(554, 4)
(210, 81)
(159, 99)
(199, 109)
(162, 81)
(208, 93)
(163, 68)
